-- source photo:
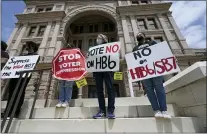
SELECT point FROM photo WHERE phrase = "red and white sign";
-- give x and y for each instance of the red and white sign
(103, 57)
(149, 62)
(69, 64)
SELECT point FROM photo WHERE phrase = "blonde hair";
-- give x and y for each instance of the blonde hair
(104, 37)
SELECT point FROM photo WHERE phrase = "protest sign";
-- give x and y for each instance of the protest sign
(103, 58)
(152, 61)
(69, 64)
(17, 64)
(82, 82)
(118, 76)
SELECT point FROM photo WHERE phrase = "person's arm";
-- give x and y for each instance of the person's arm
(134, 49)
(152, 43)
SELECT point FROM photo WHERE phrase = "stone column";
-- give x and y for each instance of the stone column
(167, 32)
(12, 35)
(15, 47)
(45, 39)
(59, 45)
(134, 26)
(119, 3)
(54, 40)
(182, 40)
(146, 22)
(121, 39)
(128, 2)
(36, 32)
(80, 94)
(126, 35)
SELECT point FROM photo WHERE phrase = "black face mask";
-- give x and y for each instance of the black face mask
(140, 38)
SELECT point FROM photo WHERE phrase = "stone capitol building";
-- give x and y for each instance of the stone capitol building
(53, 25)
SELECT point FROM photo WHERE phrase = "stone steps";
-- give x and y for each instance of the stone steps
(87, 112)
(122, 101)
(127, 125)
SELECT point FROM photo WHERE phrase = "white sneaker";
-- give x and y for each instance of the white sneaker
(166, 115)
(65, 104)
(59, 104)
(158, 114)
(8, 118)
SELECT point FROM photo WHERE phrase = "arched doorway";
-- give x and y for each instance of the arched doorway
(82, 31)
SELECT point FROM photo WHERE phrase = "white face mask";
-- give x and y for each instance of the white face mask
(99, 41)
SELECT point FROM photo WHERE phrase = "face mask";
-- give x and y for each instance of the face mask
(99, 41)
(140, 38)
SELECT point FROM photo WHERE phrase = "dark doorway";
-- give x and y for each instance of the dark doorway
(75, 92)
(92, 91)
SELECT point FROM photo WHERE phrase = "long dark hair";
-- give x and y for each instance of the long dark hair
(3, 46)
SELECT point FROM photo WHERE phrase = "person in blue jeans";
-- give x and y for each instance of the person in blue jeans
(154, 86)
(65, 93)
(107, 77)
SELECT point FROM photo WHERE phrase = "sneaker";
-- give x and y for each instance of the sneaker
(158, 114)
(8, 118)
(111, 115)
(99, 115)
(59, 104)
(65, 104)
(166, 115)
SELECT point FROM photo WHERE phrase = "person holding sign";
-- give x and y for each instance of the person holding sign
(154, 86)
(65, 93)
(108, 78)
(32, 49)
(4, 54)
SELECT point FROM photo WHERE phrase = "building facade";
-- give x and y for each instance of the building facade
(55, 24)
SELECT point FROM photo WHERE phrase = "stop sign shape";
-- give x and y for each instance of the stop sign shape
(69, 64)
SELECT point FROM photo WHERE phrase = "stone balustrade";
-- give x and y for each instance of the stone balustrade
(188, 91)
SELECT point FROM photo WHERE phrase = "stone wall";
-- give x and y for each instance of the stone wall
(188, 91)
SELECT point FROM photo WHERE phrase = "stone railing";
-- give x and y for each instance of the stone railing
(188, 91)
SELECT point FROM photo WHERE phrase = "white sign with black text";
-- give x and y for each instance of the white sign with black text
(103, 57)
(152, 61)
(17, 64)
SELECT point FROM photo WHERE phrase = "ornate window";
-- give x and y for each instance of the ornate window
(44, 9)
(40, 9)
(93, 28)
(58, 7)
(41, 31)
(158, 39)
(78, 29)
(142, 24)
(135, 2)
(108, 27)
(29, 10)
(152, 24)
(32, 31)
(78, 43)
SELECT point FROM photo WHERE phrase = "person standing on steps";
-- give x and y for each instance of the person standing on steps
(108, 78)
(32, 49)
(153, 86)
(65, 91)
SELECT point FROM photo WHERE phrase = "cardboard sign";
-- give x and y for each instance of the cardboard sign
(69, 64)
(118, 76)
(152, 61)
(81, 83)
(103, 58)
(17, 64)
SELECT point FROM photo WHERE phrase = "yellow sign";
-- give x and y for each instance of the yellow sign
(118, 76)
(80, 83)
